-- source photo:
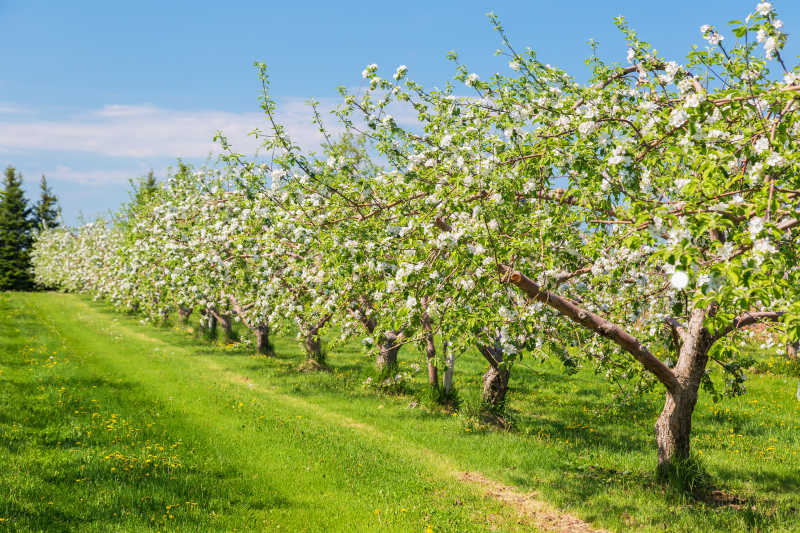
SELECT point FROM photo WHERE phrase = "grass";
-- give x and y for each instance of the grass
(108, 424)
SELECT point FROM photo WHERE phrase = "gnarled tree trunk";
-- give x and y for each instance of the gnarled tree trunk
(674, 425)
(793, 350)
(495, 387)
(262, 340)
(227, 327)
(388, 346)
(315, 357)
(495, 380)
(387, 350)
(313, 346)
(183, 314)
(226, 322)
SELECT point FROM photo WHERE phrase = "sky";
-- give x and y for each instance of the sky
(93, 94)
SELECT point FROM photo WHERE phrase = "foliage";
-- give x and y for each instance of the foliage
(15, 234)
(46, 212)
(636, 223)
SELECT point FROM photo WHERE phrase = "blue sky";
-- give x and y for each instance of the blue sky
(95, 93)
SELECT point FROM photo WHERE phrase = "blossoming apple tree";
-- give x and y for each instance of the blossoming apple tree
(655, 207)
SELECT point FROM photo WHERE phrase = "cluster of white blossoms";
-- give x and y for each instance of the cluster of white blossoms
(711, 35)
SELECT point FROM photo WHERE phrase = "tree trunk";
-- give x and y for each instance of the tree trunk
(227, 327)
(388, 346)
(430, 348)
(387, 350)
(793, 350)
(209, 324)
(262, 340)
(495, 386)
(674, 425)
(448, 373)
(313, 345)
(495, 380)
(183, 314)
(433, 373)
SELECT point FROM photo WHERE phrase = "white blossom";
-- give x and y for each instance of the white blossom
(587, 127)
(755, 225)
(400, 72)
(694, 99)
(678, 117)
(679, 280)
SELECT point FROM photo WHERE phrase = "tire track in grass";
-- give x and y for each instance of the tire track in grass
(534, 511)
(527, 507)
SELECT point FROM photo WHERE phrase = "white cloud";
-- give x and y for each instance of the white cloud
(96, 177)
(146, 131)
(120, 141)
(117, 110)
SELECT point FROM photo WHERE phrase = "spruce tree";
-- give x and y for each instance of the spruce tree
(15, 234)
(46, 211)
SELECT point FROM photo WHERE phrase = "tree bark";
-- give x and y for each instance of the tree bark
(209, 324)
(793, 350)
(495, 379)
(262, 340)
(226, 322)
(674, 425)
(388, 346)
(430, 348)
(312, 342)
(183, 314)
(495, 387)
(227, 327)
(448, 373)
(313, 345)
(387, 350)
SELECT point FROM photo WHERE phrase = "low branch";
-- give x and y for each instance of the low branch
(678, 330)
(593, 322)
(747, 319)
(240, 311)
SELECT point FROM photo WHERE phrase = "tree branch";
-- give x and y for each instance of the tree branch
(747, 319)
(678, 330)
(593, 322)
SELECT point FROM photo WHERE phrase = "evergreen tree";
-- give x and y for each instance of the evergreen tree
(46, 211)
(15, 234)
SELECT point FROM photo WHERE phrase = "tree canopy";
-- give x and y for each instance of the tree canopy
(638, 222)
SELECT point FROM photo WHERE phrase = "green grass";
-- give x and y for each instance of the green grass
(108, 424)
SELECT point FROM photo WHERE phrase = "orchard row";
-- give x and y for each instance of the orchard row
(635, 223)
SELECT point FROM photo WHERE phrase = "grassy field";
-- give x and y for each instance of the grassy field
(108, 424)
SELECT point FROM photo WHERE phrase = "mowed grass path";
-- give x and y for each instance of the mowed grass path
(108, 424)
(104, 427)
